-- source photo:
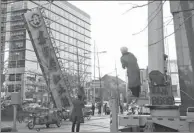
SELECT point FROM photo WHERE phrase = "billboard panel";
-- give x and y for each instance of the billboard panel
(47, 58)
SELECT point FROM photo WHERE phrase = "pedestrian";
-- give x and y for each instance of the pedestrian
(121, 109)
(93, 108)
(105, 107)
(99, 108)
(77, 113)
(129, 61)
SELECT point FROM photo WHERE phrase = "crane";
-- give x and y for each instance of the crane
(164, 114)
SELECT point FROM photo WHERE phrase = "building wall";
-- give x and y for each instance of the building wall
(71, 31)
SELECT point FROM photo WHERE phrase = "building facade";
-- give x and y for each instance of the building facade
(173, 72)
(71, 31)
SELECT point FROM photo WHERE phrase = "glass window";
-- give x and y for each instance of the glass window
(71, 33)
(66, 39)
(12, 77)
(11, 88)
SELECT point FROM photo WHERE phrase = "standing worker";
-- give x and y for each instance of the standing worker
(77, 113)
(129, 61)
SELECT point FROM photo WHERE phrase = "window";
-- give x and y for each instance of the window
(17, 76)
(17, 45)
(21, 63)
(12, 64)
(17, 55)
(11, 88)
(31, 78)
(12, 77)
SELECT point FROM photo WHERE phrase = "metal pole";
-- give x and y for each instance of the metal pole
(0, 61)
(118, 95)
(101, 94)
(94, 74)
(15, 76)
(78, 76)
(14, 118)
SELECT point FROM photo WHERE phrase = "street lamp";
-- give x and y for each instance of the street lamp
(101, 52)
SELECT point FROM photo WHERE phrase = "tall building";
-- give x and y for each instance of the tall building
(71, 30)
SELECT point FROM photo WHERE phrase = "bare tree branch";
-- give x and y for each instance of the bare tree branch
(137, 6)
(150, 20)
(172, 32)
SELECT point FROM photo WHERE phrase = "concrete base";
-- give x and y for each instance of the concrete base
(172, 111)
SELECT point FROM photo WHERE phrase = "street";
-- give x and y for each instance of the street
(95, 124)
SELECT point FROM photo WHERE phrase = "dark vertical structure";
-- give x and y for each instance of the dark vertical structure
(183, 15)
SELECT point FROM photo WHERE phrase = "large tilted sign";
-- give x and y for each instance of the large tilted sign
(160, 92)
(48, 62)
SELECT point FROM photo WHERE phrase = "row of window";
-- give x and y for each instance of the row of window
(19, 55)
(63, 27)
(69, 39)
(12, 88)
(17, 33)
(15, 77)
(17, 45)
(18, 5)
(70, 13)
(67, 22)
(65, 15)
(13, 64)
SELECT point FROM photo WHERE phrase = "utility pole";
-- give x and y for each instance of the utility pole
(0, 61)
(118, 93)
(101, 94)
(94, 73)
(78, 76)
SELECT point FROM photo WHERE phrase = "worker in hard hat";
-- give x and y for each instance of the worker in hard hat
(129, 61)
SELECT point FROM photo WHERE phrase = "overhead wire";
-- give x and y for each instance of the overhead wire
(161, 7)
(174, 30)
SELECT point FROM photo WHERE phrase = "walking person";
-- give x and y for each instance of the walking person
(77, 113)
(93, 108)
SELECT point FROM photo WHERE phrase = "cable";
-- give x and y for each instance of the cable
(172, 32)
(187, 94)
(161, 6)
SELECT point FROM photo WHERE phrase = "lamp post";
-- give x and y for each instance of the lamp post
(101, 94)
(101, 52)
(0, 63)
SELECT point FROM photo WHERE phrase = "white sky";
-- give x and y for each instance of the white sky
(112, 30)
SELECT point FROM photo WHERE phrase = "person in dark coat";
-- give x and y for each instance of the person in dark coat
(99, 108)
(121, 108)
(105, 107)
(129, 61)
(93, 109)
(77, 113)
